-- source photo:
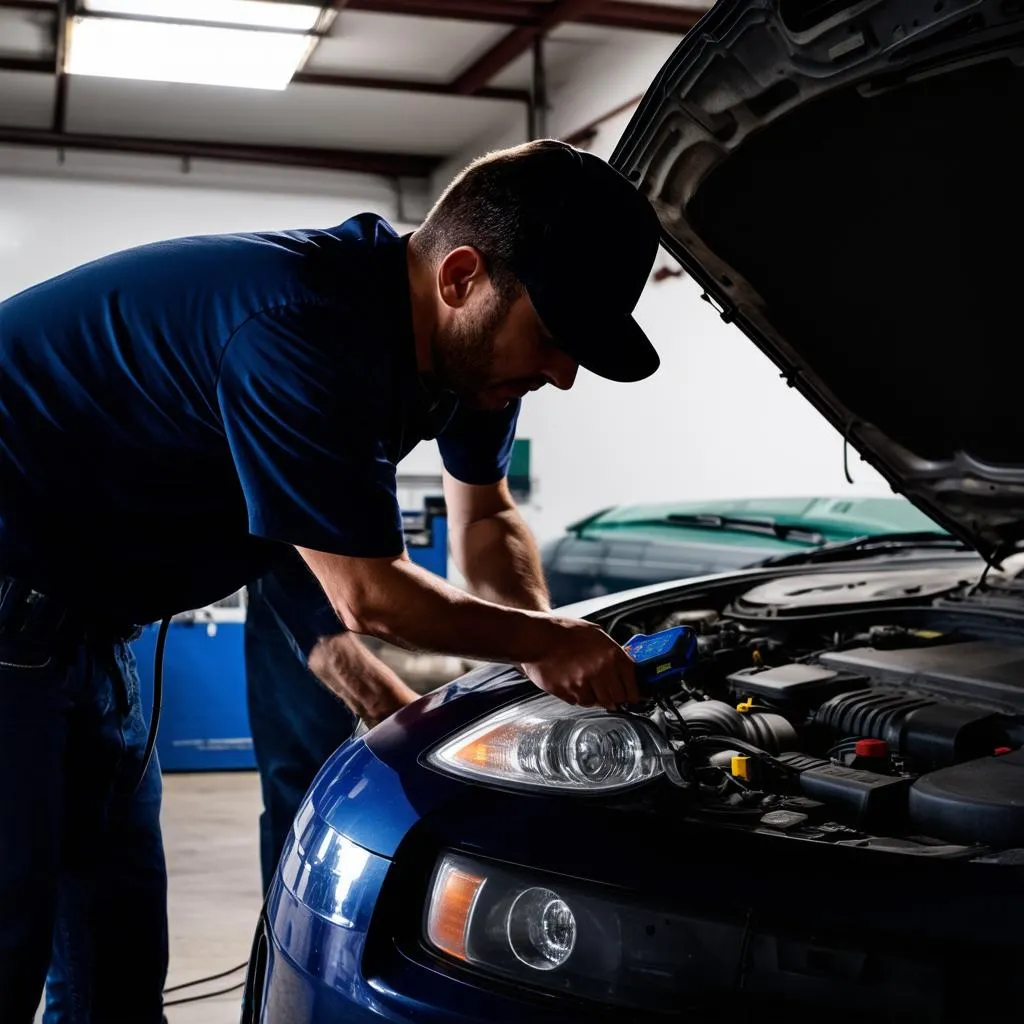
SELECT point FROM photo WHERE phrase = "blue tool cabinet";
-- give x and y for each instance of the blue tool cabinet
(204, 725)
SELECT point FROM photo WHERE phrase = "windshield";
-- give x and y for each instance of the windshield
(808, 521)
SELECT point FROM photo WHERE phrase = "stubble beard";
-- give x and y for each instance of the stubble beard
(463, 357)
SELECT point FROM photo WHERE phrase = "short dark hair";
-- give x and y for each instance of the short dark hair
(482, 208)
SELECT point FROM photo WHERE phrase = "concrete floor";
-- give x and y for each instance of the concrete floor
(210, 823)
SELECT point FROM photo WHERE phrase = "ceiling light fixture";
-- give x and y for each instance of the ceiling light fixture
(254, 44)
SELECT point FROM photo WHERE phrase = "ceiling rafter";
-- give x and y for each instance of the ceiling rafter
(390, 165)
(609, 13)
(45, 66)
(403, 85)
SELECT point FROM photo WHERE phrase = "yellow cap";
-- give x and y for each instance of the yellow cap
(741, 766)
(745, 705)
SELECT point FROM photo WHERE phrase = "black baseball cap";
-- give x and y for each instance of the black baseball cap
(586, 243)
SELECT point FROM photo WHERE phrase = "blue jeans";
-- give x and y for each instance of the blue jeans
(296, 722)
(83, 883)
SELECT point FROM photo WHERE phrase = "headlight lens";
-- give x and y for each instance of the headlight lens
(541, 929)
(544, 743)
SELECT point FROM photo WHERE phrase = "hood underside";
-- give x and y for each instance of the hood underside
(842, 180)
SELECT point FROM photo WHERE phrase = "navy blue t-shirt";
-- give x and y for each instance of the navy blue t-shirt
(169, 415)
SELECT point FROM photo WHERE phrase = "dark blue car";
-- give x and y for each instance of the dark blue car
(491, 854)
(823, 820)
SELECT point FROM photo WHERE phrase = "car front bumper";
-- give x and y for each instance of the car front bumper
(308, 970)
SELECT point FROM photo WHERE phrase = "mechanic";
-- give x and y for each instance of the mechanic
(173, 417)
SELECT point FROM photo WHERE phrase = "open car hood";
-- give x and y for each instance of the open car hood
(843, 181)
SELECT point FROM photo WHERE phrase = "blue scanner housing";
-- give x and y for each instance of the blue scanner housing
(662, 658)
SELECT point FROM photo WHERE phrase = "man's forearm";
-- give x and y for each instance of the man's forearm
(398, 601)
(499, 559)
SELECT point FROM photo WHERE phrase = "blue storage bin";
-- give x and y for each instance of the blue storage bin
(426, 536)
(204, 725)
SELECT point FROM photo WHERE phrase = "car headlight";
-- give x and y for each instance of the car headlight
(544, 743)
(565, 935)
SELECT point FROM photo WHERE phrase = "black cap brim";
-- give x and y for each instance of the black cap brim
(612, 345)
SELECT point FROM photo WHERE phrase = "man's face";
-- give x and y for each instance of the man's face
(490, 353)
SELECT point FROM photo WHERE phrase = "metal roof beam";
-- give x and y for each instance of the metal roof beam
(646, 17)
(516, 43)
(60, 91)
(45, 65)
(39, 65)
(403, 85)
(29, 5)
(390, 165)
(608, 13)
(495, 12)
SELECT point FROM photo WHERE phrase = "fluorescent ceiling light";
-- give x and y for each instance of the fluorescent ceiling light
(193, 54)
(260, 13)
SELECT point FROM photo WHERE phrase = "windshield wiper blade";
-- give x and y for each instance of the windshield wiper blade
(737, 524)
(872, 544)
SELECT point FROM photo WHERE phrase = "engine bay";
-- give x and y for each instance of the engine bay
(849, 709)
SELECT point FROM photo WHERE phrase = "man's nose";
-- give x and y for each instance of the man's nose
(562, 371)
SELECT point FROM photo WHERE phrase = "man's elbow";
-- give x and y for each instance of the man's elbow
(360, 590)
(352, 619)
(364, 611)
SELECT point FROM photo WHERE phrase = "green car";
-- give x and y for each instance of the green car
(633, 545)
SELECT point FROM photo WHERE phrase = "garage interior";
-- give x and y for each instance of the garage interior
(118, 127)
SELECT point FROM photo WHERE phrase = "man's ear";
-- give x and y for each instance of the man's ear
(459, 274)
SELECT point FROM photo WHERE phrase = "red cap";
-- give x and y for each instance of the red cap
(999, 751)
(871, 748)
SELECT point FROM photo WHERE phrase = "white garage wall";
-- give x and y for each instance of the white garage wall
(716, 421)
(49, 226)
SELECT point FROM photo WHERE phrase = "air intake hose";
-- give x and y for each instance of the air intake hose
(772, 733)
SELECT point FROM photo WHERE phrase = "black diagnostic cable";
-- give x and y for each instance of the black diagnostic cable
(204, 981)
(147, 756)
(205, 995)
(668, 706)
(158, 698)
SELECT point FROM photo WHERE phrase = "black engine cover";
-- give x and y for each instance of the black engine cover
(979, 801)
(937, 734)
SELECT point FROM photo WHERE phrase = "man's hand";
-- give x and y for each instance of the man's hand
(586, 667)
(371, 690)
